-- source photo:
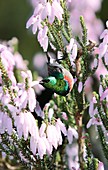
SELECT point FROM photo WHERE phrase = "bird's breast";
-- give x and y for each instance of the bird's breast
(70, 81)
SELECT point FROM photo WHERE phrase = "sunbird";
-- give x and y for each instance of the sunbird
(59, 79)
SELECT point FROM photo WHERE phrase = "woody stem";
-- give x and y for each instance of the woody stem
(80, 140)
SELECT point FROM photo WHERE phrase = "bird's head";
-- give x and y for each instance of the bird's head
(48, 82)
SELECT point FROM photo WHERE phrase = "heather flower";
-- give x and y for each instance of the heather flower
(80, 87)
(64, 116)
(52, 135)
(39, 111)
(46, 106)
(101, 70)
(94, 118)
(87, 9)
(106, 58)
(41, 146)
(104, 95)
(4, 98)
(107, 23)
(49, 147)
(5, 123)
(42, 10)
(42, 130)
(94, 121)
(93, 112)
(103, 47)
(71, 133)
(7, 58)
(72, 50)
(33, 145)
(28, 95)
(44, 145)
(104, 36)
(25, 124)
(70, 45)
(35, 21)
(59, 135)
(19, 62)
(50, 113)
(12, 78)
(100, 90)
(61, 125)
(38, 88)
(94, 63)
(51, 10)
(43, 38)
(100, 166)
(94, 100)
(24, 121)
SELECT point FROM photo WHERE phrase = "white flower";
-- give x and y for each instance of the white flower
(94, 120)
(43, 38)
(5, 123)
(62, 127)
(41, 147)
(39, 111)
(33, 145)
(104, 94)
(50, 113)
(72, 50)
(80, 87)
(100, 166)
(52, 135)
(28, 95)
(35, 21)
(25, 124)
(71, 133)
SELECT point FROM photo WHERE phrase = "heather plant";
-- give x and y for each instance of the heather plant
(56, 136)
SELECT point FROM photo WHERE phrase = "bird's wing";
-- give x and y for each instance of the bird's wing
(55, 70)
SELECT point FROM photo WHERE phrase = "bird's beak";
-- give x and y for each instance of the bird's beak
(43, 81)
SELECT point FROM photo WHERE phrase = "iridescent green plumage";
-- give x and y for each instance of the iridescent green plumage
(59, 80)
(59, 86)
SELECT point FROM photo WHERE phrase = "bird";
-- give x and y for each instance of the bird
(59, 79)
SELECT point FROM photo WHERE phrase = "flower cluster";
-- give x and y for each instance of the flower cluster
(87, 9)
(102, 50)
(71, 48)
(93, 112)
(18, 101)
(44, 10)
(16, 97)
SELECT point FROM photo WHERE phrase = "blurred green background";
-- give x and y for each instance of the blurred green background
(13, 17)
